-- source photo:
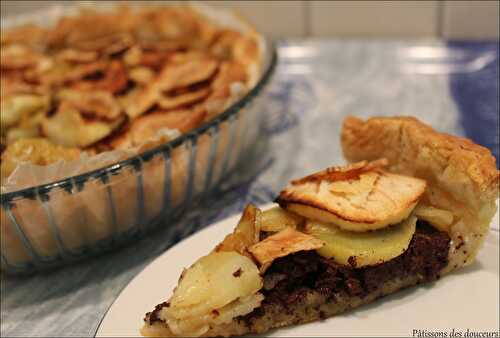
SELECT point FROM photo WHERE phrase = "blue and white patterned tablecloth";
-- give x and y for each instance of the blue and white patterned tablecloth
(454, 87)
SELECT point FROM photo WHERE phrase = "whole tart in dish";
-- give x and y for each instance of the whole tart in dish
(412, 206)
(116, 79)
(114, 118)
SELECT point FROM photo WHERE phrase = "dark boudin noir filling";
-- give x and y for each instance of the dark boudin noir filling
(291, 278)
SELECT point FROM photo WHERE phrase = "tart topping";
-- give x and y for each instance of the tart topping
(38, 151)
(69, 128)
(174, 75)
(91, 104)
(246, 233)
(200, 290)
(439, 218)
(277, 219)
(355, 198)
(148, 126)
(347, 172)
(179, 100)
(209, 292)
(363, 249)
(219, 286)
(99, 73)
(284, 243)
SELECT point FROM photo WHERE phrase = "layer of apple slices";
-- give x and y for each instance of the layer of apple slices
(220, 286)
(439, 218)
(359, 197)
(362, 249)
(215, 289)
(276, 219)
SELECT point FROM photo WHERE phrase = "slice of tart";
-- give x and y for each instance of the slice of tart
(414, 205)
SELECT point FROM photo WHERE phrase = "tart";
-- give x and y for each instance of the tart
(412, 206)
(116, 79)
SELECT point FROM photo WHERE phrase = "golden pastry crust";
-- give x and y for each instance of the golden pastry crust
(462, 176)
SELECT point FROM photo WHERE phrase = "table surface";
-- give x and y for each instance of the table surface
(454, 87)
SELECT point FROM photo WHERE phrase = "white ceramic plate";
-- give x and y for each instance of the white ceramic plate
(467, 299)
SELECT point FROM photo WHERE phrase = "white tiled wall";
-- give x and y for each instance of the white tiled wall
(447, 19)
(279, 18)
(374, 18)
(470, 19)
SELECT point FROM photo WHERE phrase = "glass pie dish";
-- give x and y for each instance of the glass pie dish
(48, 225)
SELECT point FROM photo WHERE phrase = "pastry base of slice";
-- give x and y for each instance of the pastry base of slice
(306, 287)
